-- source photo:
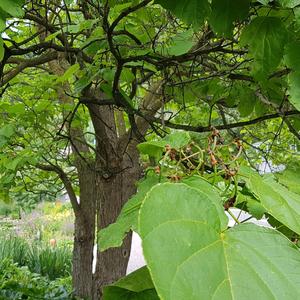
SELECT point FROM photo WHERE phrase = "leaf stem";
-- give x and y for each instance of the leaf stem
(233, 217)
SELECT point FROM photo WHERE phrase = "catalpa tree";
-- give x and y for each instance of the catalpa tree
(190, 97)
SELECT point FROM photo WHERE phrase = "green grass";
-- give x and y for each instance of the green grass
(42, 259)
(51, 262)
(14, 248)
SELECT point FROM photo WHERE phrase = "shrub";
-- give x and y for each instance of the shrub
(8, 209)
(19, 283)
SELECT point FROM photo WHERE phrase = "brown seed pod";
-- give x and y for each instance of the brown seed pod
(168, 148)
(213, 159)
(229, 203)
(174, 177)
(172, 154)
(157, 169)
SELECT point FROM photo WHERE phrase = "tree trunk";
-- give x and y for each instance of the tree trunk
(116, 172)
(115, 191)
(83, 257)
(84, 235)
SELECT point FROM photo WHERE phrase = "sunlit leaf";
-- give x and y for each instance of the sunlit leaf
(189, 257)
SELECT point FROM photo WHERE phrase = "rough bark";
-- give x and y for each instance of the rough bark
(83, 257)
(118, 169)
(84, 235)
(115, 191)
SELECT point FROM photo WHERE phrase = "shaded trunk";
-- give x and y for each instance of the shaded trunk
(83, 258)
(115, 191)
(84, 236)
(116, 170)
(105, 198)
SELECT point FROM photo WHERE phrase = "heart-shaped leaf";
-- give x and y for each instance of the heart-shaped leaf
(189, 257)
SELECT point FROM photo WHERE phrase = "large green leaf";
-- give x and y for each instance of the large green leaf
(69, 73)
(136, 286)
(290, 178)
(294, 89)
(243, 96)
(180, 44)
(15, 163)
(113, 235)
(152, 148)
(278, 201)
(293, 61)
(280, 227)
(7, 130)
(266, 38)
(176, 140)
(12, 7)
(194, 205)
(189, 257)
(289, 3)
(209, 190)
(246, 201)
(226, 12)
(247, 103)
(190, 11)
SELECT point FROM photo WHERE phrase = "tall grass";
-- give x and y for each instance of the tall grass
(14, 248)
(41, 259)
(51, 262)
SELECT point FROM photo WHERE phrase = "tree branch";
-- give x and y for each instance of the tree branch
(227, 126)
(65, 180)
(126, 12)
(26, 63)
